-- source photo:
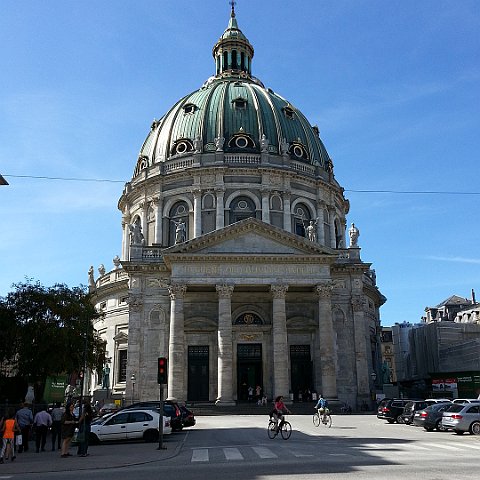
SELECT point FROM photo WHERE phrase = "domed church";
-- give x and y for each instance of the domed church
(236, 261)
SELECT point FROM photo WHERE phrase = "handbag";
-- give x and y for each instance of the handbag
(18, 440)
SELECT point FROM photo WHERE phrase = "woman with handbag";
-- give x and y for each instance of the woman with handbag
(69, 422)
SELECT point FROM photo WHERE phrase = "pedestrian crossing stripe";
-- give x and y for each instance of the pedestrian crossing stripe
(234, 454)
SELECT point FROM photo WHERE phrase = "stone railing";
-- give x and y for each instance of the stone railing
(111, 277)
(242, 158)
(179, 164)
(151, 253)
(303, 167)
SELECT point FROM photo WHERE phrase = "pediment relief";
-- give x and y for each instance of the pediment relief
(251, 237)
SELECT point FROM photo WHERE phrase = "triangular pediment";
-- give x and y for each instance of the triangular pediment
(249, 237)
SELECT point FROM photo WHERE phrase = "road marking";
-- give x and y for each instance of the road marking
(467, 445)
(442, 445)
(200, 455)
(264, 452)
(232, 454)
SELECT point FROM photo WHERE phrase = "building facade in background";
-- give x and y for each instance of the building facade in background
(236, 261)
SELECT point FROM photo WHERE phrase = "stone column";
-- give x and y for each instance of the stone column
(126, 236)
(328, 365)
(197, 213)
(280, 342)
(287, 219)
(265, 205)
(331, 222)
(143, 216)
(225, 347)
(320, 226)
(135, 307)
(158, 201)
(361, 362)
(176, 347)
(220, 218)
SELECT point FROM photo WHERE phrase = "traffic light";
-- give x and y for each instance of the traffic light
(162, 370)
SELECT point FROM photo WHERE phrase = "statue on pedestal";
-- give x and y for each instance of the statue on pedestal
(354, 233)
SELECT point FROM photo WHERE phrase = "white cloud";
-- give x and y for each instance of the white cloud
(475, 261)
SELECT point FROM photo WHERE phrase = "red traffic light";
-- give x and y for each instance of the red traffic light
(162, 370)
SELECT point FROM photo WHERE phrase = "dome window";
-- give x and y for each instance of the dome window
(189, 108)
(240, 103)
(289, 113)
(241, 140)
(182, 146)
(298, 151)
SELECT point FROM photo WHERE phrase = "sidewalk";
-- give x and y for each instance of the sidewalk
(111, 455)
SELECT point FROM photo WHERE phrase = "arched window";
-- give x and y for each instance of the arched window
(301, 217)
(225, 61)
(234, 60)
(241, 208)
(178, 214)
(242, 61)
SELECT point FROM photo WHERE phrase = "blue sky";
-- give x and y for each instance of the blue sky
(394, 87)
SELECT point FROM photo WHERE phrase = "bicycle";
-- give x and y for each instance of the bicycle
(325, 418)
(273, 430)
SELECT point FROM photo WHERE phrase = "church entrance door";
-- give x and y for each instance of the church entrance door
(249, 369)
(301, 368)
(198, 373)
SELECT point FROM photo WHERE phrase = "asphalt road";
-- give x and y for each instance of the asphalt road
(238, 447)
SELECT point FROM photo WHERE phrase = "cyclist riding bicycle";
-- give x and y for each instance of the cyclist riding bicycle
(279, 410)
(322, 407)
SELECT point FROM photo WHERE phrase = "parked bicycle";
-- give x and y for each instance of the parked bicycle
(323, 418)
(274, 428)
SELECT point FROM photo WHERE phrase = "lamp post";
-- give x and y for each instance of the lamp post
(133, 378)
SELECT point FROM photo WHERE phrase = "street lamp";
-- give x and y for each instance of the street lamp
(132, 378)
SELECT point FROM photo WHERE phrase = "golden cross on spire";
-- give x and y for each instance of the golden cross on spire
(233, 3)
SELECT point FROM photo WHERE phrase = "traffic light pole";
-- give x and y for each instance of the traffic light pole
(160, 422)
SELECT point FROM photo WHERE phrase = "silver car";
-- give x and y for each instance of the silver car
(463, 418)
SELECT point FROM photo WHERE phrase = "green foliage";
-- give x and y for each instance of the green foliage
(48, 330)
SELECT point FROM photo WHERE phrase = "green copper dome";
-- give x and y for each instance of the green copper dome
(234, 113)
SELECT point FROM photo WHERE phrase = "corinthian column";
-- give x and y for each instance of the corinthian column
(327, 351)
(135, 306)
(225, 348)
(287, 220)
(280, 341)
(158, 202)
(197, 213)
(220, 217)
(176, 346)
(363, 377)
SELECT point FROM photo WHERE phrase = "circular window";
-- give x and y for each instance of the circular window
(182, 147)
(181, 209)
(298, 151)
(300, 212)
(241, 142)
(242, 205)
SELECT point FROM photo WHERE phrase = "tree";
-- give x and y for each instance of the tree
(49, 332)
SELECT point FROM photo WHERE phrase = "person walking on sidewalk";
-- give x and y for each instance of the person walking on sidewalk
(24, 418)
(68, 429)
(56, 415)
(84, 430)
(9, 429)
(42, 422)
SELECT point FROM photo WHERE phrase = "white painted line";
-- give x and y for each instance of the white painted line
(200, 455)
(442, 445)
(264, 452)
(232, 454)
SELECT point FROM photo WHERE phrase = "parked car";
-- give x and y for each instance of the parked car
(108, 408)
(170, 409)
(128, 425)
(463, 418)
(430, 418)
(188, 417)
(432, 401)
(391, 409)
(466, 400)
(410, 408)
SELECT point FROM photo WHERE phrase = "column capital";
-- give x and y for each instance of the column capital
(177, 290)
(278, 291)
(219, 190)
(196, 191)
(358, 303)
(324, 290)
(224, 291)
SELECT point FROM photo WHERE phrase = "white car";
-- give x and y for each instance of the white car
(129, 425)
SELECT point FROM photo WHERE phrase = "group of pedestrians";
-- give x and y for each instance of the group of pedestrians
(16, 428)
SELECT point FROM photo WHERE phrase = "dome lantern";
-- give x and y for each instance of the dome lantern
(233, 53)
